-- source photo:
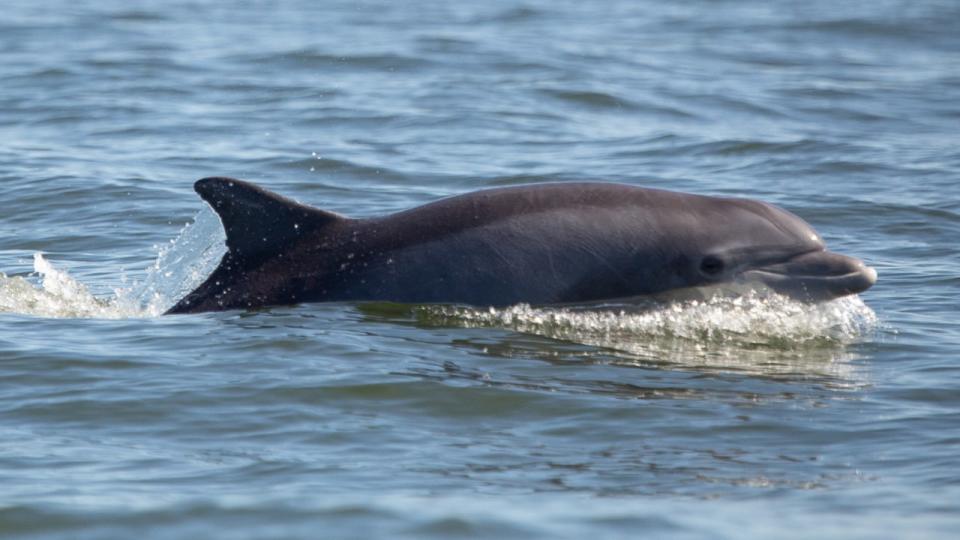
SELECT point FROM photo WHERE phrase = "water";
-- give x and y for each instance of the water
(694, 420)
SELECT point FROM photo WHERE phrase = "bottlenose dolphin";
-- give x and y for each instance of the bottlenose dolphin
(554, 243)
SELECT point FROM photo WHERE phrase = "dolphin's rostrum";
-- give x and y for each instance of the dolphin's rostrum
(554, 243)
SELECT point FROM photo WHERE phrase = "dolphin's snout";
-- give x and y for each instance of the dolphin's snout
(841, 274)
(817, 275)
(869, 276)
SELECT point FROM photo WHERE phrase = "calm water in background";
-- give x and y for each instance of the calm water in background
(344, 420)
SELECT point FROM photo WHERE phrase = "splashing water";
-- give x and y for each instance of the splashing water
(757, 333)
(761, 317)
(179, 268)
(58, 295)
(183, 264)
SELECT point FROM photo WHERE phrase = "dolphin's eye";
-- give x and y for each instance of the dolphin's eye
(711, 265)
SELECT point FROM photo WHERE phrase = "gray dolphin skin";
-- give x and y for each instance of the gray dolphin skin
(554, 243)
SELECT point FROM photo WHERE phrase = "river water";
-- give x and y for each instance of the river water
(722, 419)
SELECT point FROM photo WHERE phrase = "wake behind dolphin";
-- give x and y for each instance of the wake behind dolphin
(540, 244)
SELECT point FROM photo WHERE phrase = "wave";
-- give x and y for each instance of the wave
(316, 59)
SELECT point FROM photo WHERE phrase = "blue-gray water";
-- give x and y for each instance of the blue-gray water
(359, 421)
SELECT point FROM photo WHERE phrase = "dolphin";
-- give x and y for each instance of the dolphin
(550, 243)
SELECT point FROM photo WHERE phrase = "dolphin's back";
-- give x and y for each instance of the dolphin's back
(547, 243)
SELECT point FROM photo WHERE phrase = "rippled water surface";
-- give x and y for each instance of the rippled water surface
(725, 418)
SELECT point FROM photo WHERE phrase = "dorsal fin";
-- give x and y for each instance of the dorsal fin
(258, 222)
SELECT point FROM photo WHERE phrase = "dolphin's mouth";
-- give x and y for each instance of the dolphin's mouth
(815, 276)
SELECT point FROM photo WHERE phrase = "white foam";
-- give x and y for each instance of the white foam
(757, 333)
(57, 295)
(759, 317)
